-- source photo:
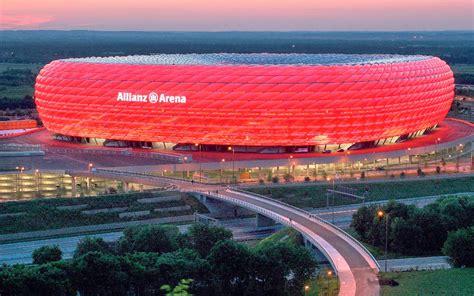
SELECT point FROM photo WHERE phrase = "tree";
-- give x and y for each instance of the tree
(405, 236)
(231, 264)
(47, 254)
(151, 238)
(282, 268)
(96, 273)
(363, 220)
(202, 238)
(460, 247)
(91, 244)
(180, 290)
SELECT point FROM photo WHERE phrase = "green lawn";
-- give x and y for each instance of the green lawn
(314, 196)
(17, 80)
(454, 281)
(42, 214)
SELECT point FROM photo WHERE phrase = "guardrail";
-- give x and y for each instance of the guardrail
(327, 223)
(149, 176)
(174, 158)
(276, 217)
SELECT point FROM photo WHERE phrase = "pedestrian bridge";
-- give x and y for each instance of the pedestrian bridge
(355, 266)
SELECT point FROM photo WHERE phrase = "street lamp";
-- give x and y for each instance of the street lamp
(185, 173)
(408, 158)
(328, 276)
(289, 164)
(327, 197)
(306, 289)
(222, 167)
(230, 148)
(90, 167)
(200, 159)
(381, 215)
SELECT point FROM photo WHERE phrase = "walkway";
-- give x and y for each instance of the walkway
(356, 268)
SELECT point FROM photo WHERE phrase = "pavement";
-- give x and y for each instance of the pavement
(418, 263)
(20, 252)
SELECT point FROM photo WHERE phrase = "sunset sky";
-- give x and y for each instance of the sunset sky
(241, 15)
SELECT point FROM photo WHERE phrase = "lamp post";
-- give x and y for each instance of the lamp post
(289, 164)
(328, 276)
(222, 167)
(185, 173)
(408, 159)
(90, 165)
(230, 148)
(20, 171)
(37, 175)
(306, 289)
(200, 159)
(381, 215)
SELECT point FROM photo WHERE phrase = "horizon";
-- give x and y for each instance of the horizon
(246, 15)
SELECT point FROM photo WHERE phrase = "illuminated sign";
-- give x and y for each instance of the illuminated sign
(152, 98)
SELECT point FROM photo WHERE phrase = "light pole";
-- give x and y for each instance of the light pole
(306, 289)
(185, 173)
(37, 175)
(200, 159)
(289, 164)
(222, 167)
(408, 159)
(20, 170)
(381, 215)
(230, 148)
(90, 167)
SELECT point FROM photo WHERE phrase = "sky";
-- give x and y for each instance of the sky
(238, 15)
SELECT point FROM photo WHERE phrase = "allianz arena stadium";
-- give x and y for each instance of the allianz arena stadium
(311, 101)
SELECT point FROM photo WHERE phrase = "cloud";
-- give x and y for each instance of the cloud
(12, 22)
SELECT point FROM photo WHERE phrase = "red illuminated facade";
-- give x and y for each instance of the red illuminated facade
(238, 99)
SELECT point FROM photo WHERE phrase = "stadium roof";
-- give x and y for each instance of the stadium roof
(253, 59)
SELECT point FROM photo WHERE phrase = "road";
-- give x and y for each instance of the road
(419, 263)
(20, 252)
(356, 268)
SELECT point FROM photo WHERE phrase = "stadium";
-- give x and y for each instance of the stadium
(265, 103)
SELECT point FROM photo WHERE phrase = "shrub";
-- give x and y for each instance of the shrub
(261, 181)
(438, 169)
(288, 177)
(91, 244)
(419, 172)
(362, 175)
(275, 179)
(307, 179)
(47, 254)
(460, 247)
(402, 175)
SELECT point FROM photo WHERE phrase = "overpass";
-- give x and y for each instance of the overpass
(356, 268)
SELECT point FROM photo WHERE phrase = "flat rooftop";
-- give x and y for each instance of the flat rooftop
(226, 59)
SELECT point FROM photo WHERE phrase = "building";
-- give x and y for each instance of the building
(253, 102)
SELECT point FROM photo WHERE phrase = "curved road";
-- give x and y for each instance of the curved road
(356, 268)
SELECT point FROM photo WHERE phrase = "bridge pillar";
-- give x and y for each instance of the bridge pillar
(263, 221)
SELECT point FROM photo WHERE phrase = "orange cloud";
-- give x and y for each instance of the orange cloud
(12, 22)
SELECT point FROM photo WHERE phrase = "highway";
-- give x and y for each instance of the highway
(20, 252)
(356, 268)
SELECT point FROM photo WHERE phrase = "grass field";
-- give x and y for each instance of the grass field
(24, 87)
(463, 68)
(42, 214)
(456, 282)
(314, 196)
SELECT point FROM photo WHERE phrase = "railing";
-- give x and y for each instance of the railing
(301, 211)
(276, 217)
(174, 158)
(149, 176)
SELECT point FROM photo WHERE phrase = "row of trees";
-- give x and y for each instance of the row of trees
(420, 231)
(147, 258)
